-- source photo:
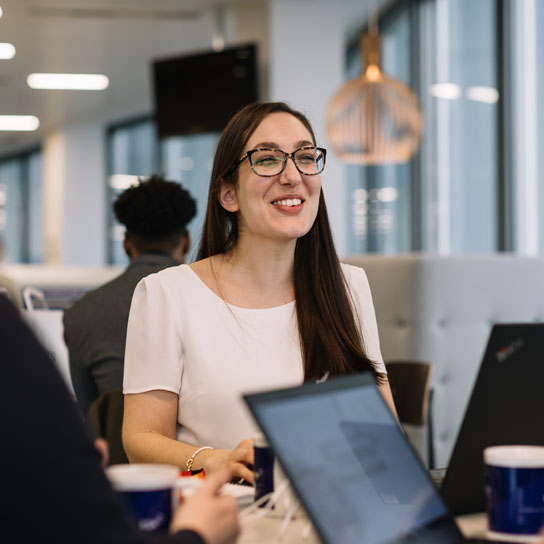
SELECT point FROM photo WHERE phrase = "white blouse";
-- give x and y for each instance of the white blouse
(183, 338)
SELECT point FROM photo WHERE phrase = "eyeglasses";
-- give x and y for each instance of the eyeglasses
(267, 162)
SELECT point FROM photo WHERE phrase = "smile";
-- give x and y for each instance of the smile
(288, 202)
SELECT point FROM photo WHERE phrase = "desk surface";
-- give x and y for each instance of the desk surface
(266, 530)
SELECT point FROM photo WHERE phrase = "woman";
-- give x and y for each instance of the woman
(266, 305)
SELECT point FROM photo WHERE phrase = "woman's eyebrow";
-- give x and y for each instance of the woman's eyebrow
(274, 145)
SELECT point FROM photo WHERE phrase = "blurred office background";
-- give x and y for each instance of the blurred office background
(473, 186)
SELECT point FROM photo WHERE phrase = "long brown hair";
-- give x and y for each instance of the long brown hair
(331, 341)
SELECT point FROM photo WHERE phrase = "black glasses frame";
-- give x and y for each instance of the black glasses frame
(249, 154)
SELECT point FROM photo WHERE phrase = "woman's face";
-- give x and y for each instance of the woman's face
(283, 206)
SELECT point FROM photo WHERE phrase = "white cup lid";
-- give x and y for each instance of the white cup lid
(142, 476)
(515, 456)
(260, 441)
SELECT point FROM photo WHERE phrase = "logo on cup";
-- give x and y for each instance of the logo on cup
(149, 492)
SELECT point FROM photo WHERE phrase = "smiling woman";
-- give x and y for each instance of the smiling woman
(266, 305)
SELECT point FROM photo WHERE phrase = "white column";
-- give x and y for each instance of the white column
(75, 196)
(443, 131)
(525, 128)
(53, 196)
(307, 56)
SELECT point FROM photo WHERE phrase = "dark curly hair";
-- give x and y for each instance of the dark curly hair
(155, 210)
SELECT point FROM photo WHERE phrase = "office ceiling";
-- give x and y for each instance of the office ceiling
(117, 38)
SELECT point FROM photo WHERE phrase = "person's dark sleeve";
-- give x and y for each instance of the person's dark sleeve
(83, 385)
(53, 488)
(107, 374)
(189, 537)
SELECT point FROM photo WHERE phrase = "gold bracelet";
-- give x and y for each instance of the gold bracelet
(191, 459)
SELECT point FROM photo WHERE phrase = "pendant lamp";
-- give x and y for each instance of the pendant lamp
(374, 119)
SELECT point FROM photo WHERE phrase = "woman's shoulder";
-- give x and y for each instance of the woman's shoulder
(353, 274)
(203, 269)
(169, 280)
(172, 274)
(357, 283)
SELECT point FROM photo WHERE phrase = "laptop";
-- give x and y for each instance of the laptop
(505, 407)
(351, 465)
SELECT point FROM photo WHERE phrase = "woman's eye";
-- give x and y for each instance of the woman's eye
(268, 161)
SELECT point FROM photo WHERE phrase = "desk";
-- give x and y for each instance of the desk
(265, 531)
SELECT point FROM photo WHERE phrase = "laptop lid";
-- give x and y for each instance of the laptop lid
(350, 464)
(505, 407)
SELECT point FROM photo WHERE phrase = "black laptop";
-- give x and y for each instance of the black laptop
(351, 465)
(506, 407)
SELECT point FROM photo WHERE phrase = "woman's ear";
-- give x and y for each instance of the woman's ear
(227, 197)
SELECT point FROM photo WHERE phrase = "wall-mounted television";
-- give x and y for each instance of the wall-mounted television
(200, 92)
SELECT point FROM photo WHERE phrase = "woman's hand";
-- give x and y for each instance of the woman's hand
(236, 460)
(214, 517)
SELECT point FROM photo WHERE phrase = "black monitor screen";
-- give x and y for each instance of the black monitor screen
(201, 92)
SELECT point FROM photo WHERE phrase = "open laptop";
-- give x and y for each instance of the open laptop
(506, 407)
(351, 465)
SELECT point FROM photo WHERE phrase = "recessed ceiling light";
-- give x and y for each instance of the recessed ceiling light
(7, 51)
(489, 95)
(83, 82)
(449, 91)
(1, 12)
(19, 122)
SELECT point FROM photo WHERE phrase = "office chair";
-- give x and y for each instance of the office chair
(105, 419)
(410, 383)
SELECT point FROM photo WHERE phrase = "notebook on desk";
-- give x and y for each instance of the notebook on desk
(351, 465)
(505, 407)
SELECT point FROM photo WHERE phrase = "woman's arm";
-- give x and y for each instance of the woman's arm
(149, 436)
(385, 390)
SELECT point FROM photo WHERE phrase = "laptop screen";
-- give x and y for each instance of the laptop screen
(350, 464)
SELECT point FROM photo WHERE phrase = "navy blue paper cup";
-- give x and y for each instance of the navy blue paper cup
(263, 467)
(514, 484)
(149, 492)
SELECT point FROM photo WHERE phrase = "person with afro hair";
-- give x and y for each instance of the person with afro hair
(155, 213)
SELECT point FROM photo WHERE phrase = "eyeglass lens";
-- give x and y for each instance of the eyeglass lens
(270, 162)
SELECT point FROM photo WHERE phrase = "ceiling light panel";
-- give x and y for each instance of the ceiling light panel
(80, 82)
(7, 51)
(19, 122)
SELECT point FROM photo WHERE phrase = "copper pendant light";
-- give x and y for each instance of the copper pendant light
(374, 119)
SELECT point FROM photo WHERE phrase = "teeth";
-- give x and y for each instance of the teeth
(288, 202)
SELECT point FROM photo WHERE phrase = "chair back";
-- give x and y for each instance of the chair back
(105, 419)
(410, 383)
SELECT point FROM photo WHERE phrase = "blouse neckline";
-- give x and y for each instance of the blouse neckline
(215, 295)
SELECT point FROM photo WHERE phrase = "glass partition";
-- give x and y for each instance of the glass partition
(21, 213)
(445, 199)
(136, 152)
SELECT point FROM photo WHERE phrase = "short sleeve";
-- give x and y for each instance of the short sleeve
(153, 353)
(362, 300)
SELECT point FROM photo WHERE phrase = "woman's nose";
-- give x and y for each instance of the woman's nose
(290, 175)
